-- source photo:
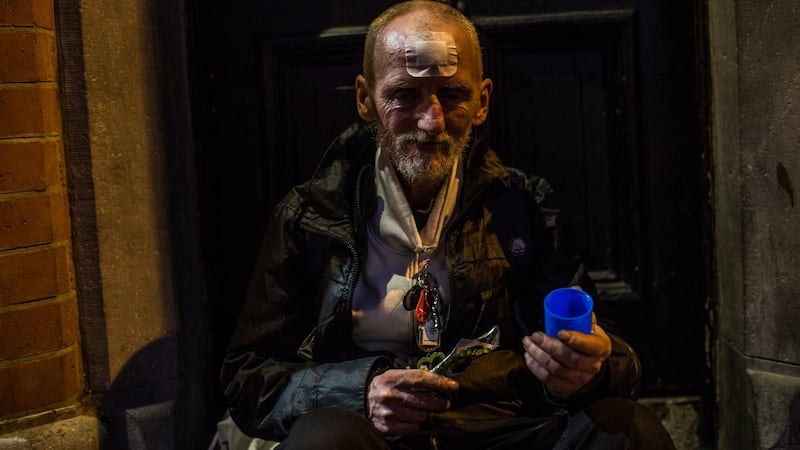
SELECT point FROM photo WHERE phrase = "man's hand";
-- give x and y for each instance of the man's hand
(566, 364)
(398, 401)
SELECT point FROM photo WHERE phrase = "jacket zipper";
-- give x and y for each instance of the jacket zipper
(351, 245)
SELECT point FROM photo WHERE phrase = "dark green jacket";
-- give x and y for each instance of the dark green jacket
(292, 350)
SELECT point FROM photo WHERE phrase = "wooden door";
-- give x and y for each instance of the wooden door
(601, 97)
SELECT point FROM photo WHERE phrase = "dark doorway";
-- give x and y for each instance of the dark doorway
(604, 98)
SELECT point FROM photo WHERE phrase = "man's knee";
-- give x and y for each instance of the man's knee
(638, 423)
(332, 428)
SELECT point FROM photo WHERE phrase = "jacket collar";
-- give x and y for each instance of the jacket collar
(342, 187)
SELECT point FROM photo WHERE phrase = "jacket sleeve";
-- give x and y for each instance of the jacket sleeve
(266, 384)
(560, 265)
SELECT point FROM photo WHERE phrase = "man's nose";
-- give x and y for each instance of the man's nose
(431, 119)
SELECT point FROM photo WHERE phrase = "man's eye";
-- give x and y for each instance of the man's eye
(404, 96)
(451, 95)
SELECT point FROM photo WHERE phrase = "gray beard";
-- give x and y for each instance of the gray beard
(414, 166)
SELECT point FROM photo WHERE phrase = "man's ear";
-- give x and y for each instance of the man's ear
(483, 108)
(366, 109)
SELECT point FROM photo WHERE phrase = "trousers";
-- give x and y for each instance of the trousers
(607, 424)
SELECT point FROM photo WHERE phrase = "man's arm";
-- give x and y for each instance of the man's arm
(267, 385)
(574, 367)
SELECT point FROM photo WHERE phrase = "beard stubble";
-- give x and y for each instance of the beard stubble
(421, 166)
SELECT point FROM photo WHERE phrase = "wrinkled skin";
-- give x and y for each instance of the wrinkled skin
(424, 123)
(398, 401)
(569, 362)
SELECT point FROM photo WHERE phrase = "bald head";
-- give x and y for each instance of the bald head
(388, 33)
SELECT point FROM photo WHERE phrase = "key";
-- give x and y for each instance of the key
(428, 337)
(411, 297)
(423, 308)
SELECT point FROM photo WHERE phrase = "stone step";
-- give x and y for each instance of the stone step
(682, 417)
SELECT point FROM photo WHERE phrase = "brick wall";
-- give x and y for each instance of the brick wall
(40, 362)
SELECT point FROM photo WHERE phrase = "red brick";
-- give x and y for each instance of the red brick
(43, 273)
(29, 165)
(59, 214)
(31, 220)
(27, 12)
(31, 110)
(38, 327)
(27, 55)
(35, 384)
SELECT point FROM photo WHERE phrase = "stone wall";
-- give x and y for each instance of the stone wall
(97, 315)
(756, 83)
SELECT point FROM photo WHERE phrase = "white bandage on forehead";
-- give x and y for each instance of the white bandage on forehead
(431, 54)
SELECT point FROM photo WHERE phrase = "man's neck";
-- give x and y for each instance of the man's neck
(420, 194)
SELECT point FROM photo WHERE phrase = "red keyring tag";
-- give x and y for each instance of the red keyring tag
(423, 308)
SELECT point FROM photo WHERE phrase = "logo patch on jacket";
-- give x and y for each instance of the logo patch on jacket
(517, 246)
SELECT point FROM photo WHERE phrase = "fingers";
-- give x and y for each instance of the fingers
(561, 380)
(400, 400)
(597, 344)
(416, 379)
(554, 373)
(425, 380)
(404, 413)
(395, 422)
(572, 350)
(566, 364)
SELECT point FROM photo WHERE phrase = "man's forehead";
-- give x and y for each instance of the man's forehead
(429, 52)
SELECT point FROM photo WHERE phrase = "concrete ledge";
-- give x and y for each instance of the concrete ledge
(77, 433)
(776, 403)
(681, 417)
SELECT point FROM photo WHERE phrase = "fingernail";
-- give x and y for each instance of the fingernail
(537, 337)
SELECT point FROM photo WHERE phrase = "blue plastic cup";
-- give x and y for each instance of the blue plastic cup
(567, 309)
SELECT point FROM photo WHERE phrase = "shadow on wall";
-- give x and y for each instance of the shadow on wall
(157, 403)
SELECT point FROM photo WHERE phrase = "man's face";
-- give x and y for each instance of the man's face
(424, 122)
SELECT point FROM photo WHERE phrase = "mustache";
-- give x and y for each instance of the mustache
(420, 137)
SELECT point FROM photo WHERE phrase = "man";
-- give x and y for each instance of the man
(397, 248)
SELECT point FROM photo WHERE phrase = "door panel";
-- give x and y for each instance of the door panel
(309, 99)
(563, 88)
